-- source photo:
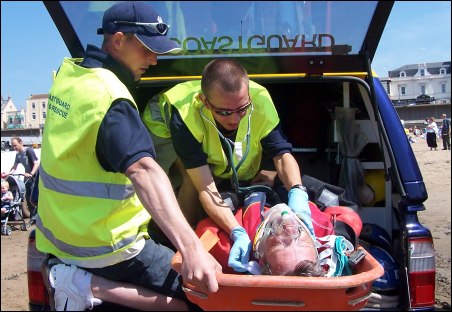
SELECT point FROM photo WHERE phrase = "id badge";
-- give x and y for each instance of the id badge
(238, 150)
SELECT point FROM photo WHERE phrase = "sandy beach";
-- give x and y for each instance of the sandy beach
(436, 171)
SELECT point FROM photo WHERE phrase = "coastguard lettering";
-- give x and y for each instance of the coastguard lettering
(258, 44)
(58, 106)
(58, 111)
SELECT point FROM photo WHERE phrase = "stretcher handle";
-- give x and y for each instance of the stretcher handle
(208, 240)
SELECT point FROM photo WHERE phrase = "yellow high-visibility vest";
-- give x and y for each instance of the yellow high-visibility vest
(87, 216)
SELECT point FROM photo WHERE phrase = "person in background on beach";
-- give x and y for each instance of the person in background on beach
(416, 131)
(27, 157)
(445, 132)
(432, 130)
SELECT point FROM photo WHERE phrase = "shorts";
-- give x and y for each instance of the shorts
(151, 268)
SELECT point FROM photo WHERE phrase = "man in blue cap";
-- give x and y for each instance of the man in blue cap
(99, 182)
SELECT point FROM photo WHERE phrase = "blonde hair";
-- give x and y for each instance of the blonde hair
(5, 184)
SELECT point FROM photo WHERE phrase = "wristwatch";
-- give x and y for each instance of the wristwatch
(301, 187)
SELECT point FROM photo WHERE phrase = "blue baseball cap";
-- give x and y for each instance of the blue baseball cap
(141, 20)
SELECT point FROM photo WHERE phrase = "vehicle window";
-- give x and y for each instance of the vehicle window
(232, 28)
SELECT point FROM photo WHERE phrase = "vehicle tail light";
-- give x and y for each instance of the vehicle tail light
(421, 272)
(37, 293)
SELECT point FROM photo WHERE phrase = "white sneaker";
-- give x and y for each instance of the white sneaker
(67, 296)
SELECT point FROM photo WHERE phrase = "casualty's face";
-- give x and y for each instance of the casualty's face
(287, 245)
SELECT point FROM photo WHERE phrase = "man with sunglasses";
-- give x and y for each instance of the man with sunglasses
(100, 185)
(222, 128)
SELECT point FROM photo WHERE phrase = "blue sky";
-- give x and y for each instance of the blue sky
(416, 32)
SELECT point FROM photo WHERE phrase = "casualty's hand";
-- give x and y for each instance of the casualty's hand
(298, 202)
(240, 251)
(4, 175)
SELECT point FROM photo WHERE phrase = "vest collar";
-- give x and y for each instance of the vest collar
(95, 58)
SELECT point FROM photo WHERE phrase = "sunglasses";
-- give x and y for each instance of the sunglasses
(226, 113)
(160, 27)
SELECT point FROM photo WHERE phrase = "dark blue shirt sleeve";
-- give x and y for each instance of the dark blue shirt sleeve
(275, 143)
(123, 138)
(187, 148)
(31, 156)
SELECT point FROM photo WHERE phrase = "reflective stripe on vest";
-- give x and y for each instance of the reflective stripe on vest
(157, 115)
(78, 251)
(88, 189)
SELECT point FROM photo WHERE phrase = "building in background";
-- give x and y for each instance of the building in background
(36, 110)
(27, 123)
(11, 117)
(420, 90)
(32, 117)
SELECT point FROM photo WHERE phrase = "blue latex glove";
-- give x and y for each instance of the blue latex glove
(298, 203)
(240, 251)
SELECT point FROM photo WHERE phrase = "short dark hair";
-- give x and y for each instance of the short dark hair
(19, 140)
(228, 74)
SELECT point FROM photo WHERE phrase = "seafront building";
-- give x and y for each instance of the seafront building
(419, 91)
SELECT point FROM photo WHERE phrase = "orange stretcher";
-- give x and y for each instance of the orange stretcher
(285, 293)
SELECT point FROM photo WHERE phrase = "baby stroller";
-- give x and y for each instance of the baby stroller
(14, 212)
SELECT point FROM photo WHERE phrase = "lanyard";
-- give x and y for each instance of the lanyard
(234, 178)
